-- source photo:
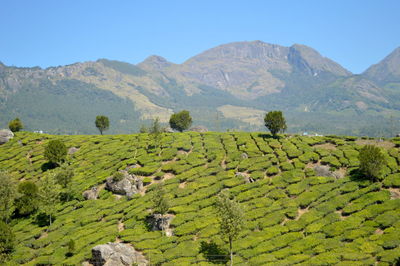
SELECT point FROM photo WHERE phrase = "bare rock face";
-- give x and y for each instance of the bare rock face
(200, 129)
(323, 170)
(159, 222)
(72, 150)
(5, 135)
(128, 185)
(116, 254)
(90, 194)
(168, 130)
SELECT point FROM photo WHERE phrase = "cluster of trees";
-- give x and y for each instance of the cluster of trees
(180, 121)
(26, 198)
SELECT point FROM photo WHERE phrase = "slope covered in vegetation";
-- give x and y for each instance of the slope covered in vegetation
(293, 215)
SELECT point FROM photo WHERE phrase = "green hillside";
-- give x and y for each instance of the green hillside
(292, 215)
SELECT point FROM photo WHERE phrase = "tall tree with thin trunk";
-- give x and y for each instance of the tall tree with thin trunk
(8, 192)
(231, 218)
(102, 123)
(49, 195)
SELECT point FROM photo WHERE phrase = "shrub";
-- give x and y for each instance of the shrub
(27, 202)
(371, 161)
(118, 176)
(15, 125)
(7, 241)
(55, 151)
(392, 181)
(273, 170)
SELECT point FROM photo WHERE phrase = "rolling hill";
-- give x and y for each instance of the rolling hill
(304, 202)
(316, 93)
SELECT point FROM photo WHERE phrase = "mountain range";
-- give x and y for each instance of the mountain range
(230, 86)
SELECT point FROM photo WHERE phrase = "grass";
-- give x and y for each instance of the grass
(292, 215)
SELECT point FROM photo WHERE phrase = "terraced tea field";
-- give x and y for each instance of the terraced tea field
(293, 215)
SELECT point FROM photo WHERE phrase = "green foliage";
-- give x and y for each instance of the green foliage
(180, 121)
(156, 132)
(55, 151)
(275, 122)
(64, 176)
(28, 200)
(230, 217)
(7, 195)
(70, 248)
(371, 161)
(49, 193)
(102, 123)
(7, 241)
(292, 217)
(118, 176)
(160, 202)
(15, 125)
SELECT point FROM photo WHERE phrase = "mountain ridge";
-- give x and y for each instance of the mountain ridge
(256, 75)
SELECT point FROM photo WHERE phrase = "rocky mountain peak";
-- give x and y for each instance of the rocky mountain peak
(154, 63)
(242, 51)
(387, 70)
(309, 60)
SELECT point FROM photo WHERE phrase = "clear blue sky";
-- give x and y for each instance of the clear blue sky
(354, 33)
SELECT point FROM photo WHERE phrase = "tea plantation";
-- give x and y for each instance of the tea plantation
(293, 216)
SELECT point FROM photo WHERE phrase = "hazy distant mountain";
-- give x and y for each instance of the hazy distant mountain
(387, 70)
(229, 86)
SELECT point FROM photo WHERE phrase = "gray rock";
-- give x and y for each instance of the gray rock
(128, 185)
(244, 155)
(72, 150)
(200, 129)
(323, 170)
(168, 130)
(116, 254)
(90, 194)
(5, 135)
(159, 222)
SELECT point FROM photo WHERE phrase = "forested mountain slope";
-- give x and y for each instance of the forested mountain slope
(317, 94)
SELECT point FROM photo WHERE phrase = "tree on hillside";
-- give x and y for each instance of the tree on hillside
(231, 218)
(55, 152)
(102, 123)
(156, 132)
(275, 122)
(7, 195)
(28, 200)
(15, 125)
(143, 129)
(160, 203)
(371, 161)
(49, 195)
(64, 177)
(180, 121)
(7, 241)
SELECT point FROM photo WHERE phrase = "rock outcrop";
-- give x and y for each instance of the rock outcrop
(72, 150)
(128, 185)
(160, 222)
(5, 135)
(90, 194)
(200, 129)
(116, 254)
